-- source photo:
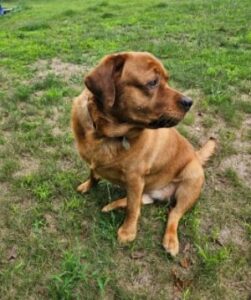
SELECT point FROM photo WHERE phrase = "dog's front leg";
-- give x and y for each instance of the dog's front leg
(89, 183)
(127, 232)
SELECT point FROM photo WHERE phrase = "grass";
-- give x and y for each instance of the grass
(55, 243)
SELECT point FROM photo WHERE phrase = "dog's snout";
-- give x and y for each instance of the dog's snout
(186, 103)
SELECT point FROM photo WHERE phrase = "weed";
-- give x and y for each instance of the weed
(73, 203)
(226, 138)
(50, 81)
(211, 260)
(208, 122)
(189, 119)
(244, 106)
(52, 96)
(42, 191)
(248, 228)
(8, 168)
(23, 92)
(232, 176)
(73, 272)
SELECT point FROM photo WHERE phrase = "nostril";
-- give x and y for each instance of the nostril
(186, 103)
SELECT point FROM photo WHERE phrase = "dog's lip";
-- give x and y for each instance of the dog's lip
(163, 122)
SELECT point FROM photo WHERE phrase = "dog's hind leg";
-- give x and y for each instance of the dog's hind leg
(122, 203)
(186, 195)
(88, 184)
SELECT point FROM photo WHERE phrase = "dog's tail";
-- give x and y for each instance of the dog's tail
(207, 150)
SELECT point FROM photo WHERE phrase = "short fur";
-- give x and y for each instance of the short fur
(121, 125)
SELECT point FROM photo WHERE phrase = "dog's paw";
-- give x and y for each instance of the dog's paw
(125, 235)
(107, 208)
(84, 187)
(171, 244)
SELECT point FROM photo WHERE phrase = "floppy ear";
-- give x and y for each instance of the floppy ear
(101, 81)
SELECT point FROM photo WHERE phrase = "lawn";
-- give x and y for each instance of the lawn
(56, 243)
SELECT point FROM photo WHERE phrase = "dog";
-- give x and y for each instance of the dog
(123, 126)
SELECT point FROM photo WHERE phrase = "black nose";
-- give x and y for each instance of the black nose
(186, 103)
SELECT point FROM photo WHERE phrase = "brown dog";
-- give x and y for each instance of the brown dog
(121, 125)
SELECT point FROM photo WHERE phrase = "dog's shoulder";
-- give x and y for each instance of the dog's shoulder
(81, 121)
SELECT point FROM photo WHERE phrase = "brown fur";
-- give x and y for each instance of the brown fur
(120, 123)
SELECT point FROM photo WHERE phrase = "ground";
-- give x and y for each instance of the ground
(57, 244)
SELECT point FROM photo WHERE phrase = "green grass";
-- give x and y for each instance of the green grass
(55, 243)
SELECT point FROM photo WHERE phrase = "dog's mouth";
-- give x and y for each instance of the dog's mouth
(163, 122)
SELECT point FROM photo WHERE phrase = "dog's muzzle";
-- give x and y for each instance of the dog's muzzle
(163, 122)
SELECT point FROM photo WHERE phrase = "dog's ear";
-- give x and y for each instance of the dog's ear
(101, 81)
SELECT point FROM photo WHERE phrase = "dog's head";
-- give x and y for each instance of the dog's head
(132, 88)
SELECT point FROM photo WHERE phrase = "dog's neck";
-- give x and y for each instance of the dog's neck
(108, 127)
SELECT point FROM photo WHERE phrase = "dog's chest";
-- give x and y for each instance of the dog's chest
(105, 158)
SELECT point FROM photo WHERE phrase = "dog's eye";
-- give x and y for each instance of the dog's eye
(152, 84)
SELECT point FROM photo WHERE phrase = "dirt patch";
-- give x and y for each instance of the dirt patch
(53, 121)
(233, 234)
(66, 164)
(144, 275)
(195, 94)
(28, 165)
(51, 223)
(56, 66)
(242, 142)
(198, 129)
(142, 280)
(56, 131)
(245, 97)
(241, 164)
(4, 188)
(202, 133)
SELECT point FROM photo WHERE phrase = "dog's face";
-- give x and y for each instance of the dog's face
(132, 88)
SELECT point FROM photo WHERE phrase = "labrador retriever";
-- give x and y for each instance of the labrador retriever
(123, 126)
